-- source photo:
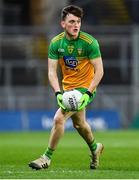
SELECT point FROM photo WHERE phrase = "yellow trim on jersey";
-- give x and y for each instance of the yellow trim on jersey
(58, 37)
(85, 38)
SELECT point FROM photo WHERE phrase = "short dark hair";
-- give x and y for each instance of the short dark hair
(71, 9)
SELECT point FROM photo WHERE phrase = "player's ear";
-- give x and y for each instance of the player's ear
(63, 24)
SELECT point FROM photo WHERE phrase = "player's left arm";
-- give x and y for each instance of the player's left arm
(95, 59)
(99, 72)
(98, 68)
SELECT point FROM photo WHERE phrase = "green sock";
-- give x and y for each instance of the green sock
(92, 146)
(49, 152)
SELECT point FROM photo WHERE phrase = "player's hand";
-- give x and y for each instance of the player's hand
(59, 100)
(84, 100)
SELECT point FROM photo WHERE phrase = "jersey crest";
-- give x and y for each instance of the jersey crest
(79, 51)
(70, 48)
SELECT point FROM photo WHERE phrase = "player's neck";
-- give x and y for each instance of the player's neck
(70, 37)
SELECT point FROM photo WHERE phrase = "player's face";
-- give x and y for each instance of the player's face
(71, 25)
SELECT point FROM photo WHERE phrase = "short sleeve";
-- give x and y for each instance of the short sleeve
(94, 50)
(52, 51)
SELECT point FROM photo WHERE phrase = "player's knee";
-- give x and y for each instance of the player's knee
(58, 121)
(79, 125)
(76, 126)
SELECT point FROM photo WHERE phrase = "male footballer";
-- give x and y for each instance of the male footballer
(80, 59)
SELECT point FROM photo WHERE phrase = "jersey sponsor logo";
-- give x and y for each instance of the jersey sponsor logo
(70, 48)
(70, 61)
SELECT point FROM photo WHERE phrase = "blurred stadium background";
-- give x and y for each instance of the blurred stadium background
(27, 101)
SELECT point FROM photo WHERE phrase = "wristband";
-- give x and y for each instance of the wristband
(57, 92)
(89, 93)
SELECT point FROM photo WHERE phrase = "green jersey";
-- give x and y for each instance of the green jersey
(74, 57)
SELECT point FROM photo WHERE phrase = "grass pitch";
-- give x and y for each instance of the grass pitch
(120, 158)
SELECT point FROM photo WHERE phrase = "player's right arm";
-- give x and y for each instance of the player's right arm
(52, 65)
(52, 74)
(52, 71)
(53, 78)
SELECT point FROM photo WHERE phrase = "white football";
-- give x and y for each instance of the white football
(71, 100)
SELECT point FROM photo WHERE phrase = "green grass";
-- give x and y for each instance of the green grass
(71, 159)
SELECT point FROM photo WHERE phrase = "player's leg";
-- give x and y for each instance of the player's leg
(84, 129)
(55, 135)
(58, 127)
